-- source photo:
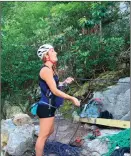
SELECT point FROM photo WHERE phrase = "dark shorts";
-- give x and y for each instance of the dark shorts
(44, 111)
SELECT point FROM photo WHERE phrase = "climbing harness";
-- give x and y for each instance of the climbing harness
(34, 107)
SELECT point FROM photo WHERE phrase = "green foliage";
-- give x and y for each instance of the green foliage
(92, 54)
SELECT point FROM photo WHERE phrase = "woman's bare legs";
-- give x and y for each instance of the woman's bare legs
(46, 129)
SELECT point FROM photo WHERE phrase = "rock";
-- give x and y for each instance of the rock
(90, 127)
(85, 152)
(12, 110)
(20, 140)
(94, 127)
(76, 117)
(95, 154)
(35, 120)
(63, 128)
(126, 117)
(21, 119)
(87, 126)
(37, 129)
(99, 146)
(116, 99)
(17, 139)
(64, 131)
(7, 127)
(3, 153)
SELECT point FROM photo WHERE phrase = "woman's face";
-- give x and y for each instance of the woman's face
(53, 55)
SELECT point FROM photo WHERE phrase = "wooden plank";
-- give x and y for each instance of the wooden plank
(107, 122)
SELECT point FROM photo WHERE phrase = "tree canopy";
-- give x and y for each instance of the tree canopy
(88, 37)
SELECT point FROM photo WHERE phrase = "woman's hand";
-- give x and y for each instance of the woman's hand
(69, 80)
(75, 101)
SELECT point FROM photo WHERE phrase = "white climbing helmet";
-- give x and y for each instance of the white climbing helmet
(43, 50)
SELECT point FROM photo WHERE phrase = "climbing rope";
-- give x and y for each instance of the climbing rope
(74, 133)
(57, 112)
(105, 80)
(122, 139)
(60, 149)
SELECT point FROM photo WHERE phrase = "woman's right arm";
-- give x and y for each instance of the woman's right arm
(47, 75)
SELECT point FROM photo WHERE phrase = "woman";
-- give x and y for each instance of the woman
(49, 92)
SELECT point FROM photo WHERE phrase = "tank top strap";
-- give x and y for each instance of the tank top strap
(44, 66)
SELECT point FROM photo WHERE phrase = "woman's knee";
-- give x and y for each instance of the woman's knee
(44, 136)
(40, 141)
